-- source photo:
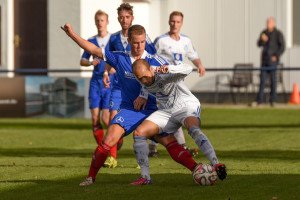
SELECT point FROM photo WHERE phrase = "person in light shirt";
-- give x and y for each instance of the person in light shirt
(174, 47)
(177, 107)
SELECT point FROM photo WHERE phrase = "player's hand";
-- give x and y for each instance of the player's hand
(162, 69)
(67, 28)
(95, 62)
(201, 70)
(140, 103)
(264, 37)
(106, 80)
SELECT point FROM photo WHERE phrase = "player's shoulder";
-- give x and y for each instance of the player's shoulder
(92, 38)
(155, 59)
(115, 35)
(161, 37)
(121, 53)
(185, 37)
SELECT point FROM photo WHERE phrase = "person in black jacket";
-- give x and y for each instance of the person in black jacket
(272, 42)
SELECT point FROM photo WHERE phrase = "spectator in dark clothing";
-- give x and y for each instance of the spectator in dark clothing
(272, 42)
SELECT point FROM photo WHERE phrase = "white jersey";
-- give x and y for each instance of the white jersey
(175, 51)
(169, 89)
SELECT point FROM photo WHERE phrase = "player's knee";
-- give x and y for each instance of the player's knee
(139, 132)
(110, 139)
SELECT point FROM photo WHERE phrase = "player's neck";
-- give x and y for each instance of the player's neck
(136, 56)
(174, 36)
(102, 34)
(124, 32)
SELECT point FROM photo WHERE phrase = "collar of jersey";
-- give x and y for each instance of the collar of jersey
(144, 55)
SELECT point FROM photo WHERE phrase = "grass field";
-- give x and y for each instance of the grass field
(47, 158)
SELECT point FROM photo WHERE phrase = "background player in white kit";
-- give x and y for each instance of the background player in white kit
(177, 106)
(174, 47)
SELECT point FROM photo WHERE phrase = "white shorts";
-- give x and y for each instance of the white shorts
(170, 121)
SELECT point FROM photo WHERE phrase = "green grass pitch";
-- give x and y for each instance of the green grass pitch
(47, 159)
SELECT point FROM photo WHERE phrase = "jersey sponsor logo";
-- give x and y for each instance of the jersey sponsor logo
(120, 119)
(129, 75)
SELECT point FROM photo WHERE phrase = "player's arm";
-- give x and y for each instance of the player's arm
(86, 63)
(193, 56)
(201, 69)
(108, 70)
(175, 73)
(86, 45)
(141, 101)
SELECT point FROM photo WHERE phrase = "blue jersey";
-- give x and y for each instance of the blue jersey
(116, 44)
(99, 69)
(99, 96)
(130, 87)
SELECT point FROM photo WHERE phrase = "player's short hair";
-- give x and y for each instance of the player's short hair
(125, 6)
(101, 12)
(175, 13)
(136, 30)
(140, 64)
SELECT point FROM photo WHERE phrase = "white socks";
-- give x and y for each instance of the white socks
(141, 151)
(204, 144)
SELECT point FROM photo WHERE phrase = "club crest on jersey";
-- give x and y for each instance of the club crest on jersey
(177, 56)
(120, 119)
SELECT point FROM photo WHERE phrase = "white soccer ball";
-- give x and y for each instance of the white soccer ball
(205, 174)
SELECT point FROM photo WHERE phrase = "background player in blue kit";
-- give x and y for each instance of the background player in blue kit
(118, 42)
(99, 96)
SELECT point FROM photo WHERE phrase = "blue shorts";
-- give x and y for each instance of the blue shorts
(99, 96)
(115, 100)
(130, 119)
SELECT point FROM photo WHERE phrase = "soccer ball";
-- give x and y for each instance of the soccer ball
(205, 174)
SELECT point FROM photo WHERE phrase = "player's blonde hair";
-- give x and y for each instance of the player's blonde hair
(101, 12)
(136, 30)
(175, 13)
(125, 6)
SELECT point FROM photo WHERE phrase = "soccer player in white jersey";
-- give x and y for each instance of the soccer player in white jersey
(99, 96)
(174, 47)
(177, 106)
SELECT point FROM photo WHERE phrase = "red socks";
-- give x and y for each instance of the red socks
(113, 151)
(181, 155)
(98, 133)
(98, 159)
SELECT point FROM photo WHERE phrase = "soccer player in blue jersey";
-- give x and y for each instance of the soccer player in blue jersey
(118, 42)
(99, 96)
(134, 109)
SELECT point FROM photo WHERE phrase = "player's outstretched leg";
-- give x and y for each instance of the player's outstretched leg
(98, 159)
(206, 147)
(181, 155)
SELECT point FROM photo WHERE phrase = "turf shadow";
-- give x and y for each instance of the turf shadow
(165, 186)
